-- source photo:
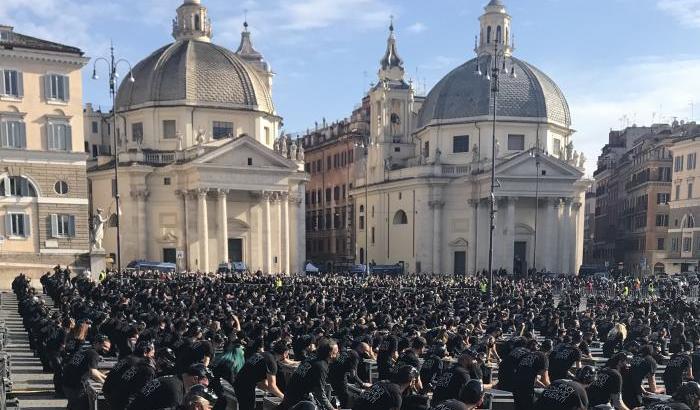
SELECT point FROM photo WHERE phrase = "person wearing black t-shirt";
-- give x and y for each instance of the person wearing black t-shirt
(387, 394)
(129, 376)
(259, 370)
(470, 397)
(641, 367)
(678, 365)
(386, 357)
(607, 387)
(411, 357)
(80, 367)
(563, 394)
(695, 359)
(561, 359)
(432, 367)
(310, 378)
(169, 391)
(343, 371)
(507, 367)
(526, 376)
(450, 382)
(687, 397)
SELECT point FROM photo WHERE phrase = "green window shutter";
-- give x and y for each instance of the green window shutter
(6, 185)
(50, 136)
(23, 187)
(2, 82)
(71, 226)
(66, 88)
(54, 225)
(27, 225)
(20, 84)
(3, 134)
(22, 135)
(8, 225)
(69, 138)
(47, 87)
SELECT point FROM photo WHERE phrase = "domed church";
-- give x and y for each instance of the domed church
(425, 192)
(202, 177)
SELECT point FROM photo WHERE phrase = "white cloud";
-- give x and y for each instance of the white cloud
(650, 90)
(685, 11)
(417, 27)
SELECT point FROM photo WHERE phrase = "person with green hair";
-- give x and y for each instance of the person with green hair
(227, 365)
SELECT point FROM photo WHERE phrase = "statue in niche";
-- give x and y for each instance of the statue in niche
(276, 145)
(569, 150)
(293, 150)
(438, 154)
(201, 137)
(284, 147)
(475, 153)
(300, 154)
(498, 148)
(98, 230)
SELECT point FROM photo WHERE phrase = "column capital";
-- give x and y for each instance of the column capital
(295, 199)
(554, 202)
(567, 201)
(577, 206)
(180, 193)
(437, 204)
(140, 194)
(283, 196)
(267, 196)
(202, 192)
(222, 192)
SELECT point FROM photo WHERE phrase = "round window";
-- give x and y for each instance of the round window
(61, 187)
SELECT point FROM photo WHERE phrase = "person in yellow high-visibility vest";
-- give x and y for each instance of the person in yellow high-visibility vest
(102, 276)
(626, 291)
(278, 282)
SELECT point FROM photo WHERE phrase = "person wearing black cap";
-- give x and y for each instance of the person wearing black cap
(531, 371)
(310, 377)
(678, 365)
(607, 387)
(259, 370)
(450, 383)
(470, 397)
(170, 391)
(129, 375)
(387, 394)
(687, 397)
(343, 371)
(80, 367)
(642, 366)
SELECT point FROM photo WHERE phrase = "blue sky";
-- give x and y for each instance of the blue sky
(618, 61)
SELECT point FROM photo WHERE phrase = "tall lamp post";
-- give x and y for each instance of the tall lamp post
(112, 65)
(536, 154)
(498, 67)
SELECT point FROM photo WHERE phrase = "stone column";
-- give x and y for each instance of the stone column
(509, 235)
(565, 237)
(284, 232)
(266, 234)
(551, 238)
(297, 229)
(203, 229)
(437, 206)
(576, 238)
(223, 225)
(140, 197)
(473, 234)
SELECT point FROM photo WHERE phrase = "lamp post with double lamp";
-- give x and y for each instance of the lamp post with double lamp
(364, 145)
(497, 68)
(112, 65)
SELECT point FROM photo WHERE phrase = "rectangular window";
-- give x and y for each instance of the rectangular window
(678, 193)
(94, 127)
(59, 136)
(660, 244)
(169, 129)
(556, 146)
(13, 134)
(662, 198)
(362, 222)
(62, 226)
(372, 235)
(222, 129)
(460, 143)
(329, 164)
(328, 195)
(17, 225)
(137, 132)
(267, 136)
(167, 181)
(661, 220)
(56, 87)
(426, 149)
(678, 164)
(250, 161)
(11, 83)
(690, 190)
(94, 150)
(687, 244)
(516, 142)
(336, 193)
(691, 161)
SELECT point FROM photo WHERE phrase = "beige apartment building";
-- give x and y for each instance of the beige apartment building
(43, 188)
(683, 234)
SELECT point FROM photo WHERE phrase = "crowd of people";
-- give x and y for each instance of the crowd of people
(441, 342)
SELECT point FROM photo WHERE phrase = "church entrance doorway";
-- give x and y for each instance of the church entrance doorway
(169, 255)
(460, 263)
(235, 250)
(520, 254)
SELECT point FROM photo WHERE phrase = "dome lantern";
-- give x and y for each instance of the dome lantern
(495, 29)
(192, 22)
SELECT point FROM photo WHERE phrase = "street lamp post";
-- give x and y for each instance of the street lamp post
(537, 204)
(365, 146)
(112, 65)
(496, 70)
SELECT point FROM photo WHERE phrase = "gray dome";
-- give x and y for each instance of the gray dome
(464, 94)
(194, 72)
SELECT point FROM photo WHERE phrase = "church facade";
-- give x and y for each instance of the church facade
(424, 194)
(203, 179)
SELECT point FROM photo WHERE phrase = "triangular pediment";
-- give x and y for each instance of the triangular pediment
(245, 152)
(524, 165)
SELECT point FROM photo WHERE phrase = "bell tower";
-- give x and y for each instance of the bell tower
(495, 29)
(192, 22)
(391, 101)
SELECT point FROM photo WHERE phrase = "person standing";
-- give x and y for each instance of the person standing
(80, 367)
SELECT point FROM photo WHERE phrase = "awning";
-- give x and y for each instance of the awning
(310, 268)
